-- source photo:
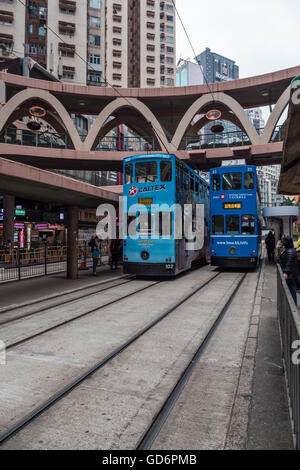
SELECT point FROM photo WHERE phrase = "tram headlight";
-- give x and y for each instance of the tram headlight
(232, 250)
(145, 255)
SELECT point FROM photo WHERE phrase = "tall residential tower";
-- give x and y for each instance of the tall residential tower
(127, 43)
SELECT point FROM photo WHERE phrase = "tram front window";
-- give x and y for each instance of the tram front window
(232, 224)
(248, 224)
(218, 224)
(128, 174)
(215, 183)
(249, 180)
(232, 181)
(165, 171)
(145, 223)
(146, 172)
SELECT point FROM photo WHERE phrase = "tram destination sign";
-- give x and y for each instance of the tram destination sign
(145, 201)
(232, 205)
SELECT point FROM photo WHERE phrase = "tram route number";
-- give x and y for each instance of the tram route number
(150, 459)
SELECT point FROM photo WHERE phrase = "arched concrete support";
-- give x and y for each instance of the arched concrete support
(31, 94)
(110, 109)
(229, 102)
(275, 116)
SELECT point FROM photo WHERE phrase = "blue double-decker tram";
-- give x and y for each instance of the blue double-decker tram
(156, 190)
(235, 232)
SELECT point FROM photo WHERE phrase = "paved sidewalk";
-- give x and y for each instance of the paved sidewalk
(33, 288)
(269, 425)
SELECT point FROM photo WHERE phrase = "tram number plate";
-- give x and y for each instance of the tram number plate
(232, 205)
(146, 201)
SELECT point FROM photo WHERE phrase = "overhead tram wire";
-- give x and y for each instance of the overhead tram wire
(195, 55)
(105, 82)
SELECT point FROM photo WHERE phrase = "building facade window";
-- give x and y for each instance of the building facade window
(42, 31)
(94, 22)
(94, 40)
(95, 4)
(94, 77)
(94, 59)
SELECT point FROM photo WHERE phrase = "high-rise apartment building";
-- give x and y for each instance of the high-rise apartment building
(268, 177)
(256, 118)
(127, 43)
(216, 67)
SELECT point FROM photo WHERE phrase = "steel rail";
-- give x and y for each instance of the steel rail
(68, 388)
(152, 432)
(69, 320)
(48, 307)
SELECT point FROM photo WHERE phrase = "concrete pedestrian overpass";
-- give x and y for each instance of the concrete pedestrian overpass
(162, 116)
(165, 115)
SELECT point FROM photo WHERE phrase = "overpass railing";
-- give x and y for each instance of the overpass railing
(127, 144)
(289, 323)
(49, 139)
(225, 139)
(15, 136)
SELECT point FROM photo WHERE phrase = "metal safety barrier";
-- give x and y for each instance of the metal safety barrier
(289, 323)
(18, 263)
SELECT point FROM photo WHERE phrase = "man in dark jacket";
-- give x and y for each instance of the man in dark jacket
(270, 245)
(114, 252)
(288, 262)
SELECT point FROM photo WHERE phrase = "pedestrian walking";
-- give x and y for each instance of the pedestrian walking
(288, 262)
(94, 243)
(270, 245)
(114, 252)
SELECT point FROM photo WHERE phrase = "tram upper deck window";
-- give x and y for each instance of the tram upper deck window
(249, 180)
(218, 224)
(232, 181)
(128, 174)
(232, 224)
(197, 187)
(248, 224)
(146, 172)
(215, 183)
(165, 171)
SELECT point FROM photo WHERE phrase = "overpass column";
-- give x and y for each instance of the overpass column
(8, 218)
(72, 259)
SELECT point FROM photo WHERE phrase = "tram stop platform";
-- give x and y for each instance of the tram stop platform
(260, 418)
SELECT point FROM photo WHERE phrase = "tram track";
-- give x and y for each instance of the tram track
(56, 298)
(81, 315)
(159, 420)
(104, 361)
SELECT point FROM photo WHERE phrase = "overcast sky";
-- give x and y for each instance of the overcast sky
(260, 35)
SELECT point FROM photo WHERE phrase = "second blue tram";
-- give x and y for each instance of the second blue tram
(155, 183)
(235, 232)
